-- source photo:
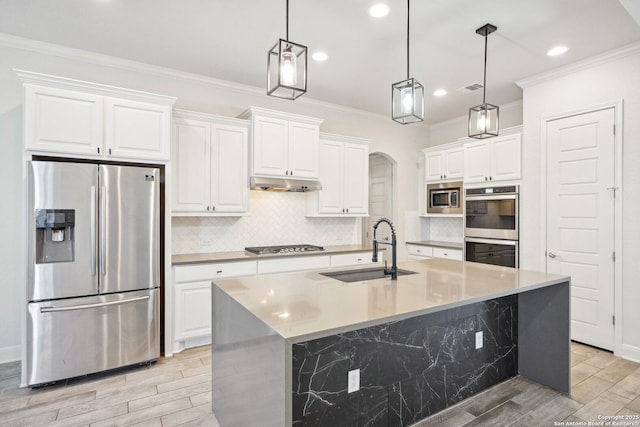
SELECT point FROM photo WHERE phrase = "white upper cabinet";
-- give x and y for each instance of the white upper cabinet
(443, 163)
(283, 145)
(344, 175)
(137, 130)
(493, 159)
(77, 118)
(210, 158)
(62, 121)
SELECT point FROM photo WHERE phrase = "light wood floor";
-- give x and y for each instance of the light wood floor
(177, 392)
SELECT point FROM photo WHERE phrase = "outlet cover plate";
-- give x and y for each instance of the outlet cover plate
(478, 340)
(353, 383)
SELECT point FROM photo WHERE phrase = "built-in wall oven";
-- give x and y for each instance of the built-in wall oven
(491, 225)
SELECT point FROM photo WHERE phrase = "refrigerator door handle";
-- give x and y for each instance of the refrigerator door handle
(92, 231)
(95, 305)
(102, 236)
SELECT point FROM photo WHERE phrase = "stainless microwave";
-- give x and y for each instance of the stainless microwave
(444, 198)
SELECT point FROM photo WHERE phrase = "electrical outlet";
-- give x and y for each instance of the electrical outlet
(353, 383)
(478, 340)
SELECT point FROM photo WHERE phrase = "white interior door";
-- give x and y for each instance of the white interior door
(380, 198)
(580, 219)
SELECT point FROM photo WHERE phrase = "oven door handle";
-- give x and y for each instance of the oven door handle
(489, 198)
(491, 241)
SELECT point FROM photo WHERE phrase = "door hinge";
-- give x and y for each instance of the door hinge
(614, 257)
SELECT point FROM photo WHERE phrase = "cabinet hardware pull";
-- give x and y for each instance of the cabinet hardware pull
(490, 178)
(213, 209)
(109, 151)
(485, 178)
(207, 207)
(98, 150)
(219, 271)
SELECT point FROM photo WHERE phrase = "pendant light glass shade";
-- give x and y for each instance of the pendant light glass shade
(287, 70)
(483, 121)
(407, 96)
(484, 118)
(407, 99)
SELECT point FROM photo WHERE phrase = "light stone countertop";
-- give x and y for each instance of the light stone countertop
(438, 244)
(306, 305)
(199, 258)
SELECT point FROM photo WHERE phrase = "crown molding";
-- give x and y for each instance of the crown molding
(179, 113)
(343, 138)
(65, 52)
(594, 61)
(31, 78)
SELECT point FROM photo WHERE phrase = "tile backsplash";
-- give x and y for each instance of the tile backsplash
(446, 229)
(275, 219)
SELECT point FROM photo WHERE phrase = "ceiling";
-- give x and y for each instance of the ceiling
(229, 39)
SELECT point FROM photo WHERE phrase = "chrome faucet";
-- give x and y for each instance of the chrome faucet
(393, 271)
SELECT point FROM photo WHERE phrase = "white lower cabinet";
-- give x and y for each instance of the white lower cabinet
(285, 265)
(351, 259)
(448, 253)
(192, 299)
(417, 252)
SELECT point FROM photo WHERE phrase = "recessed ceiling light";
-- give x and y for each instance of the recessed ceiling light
(320, 56)
(556, 51)
(440, 92)
(379, 10)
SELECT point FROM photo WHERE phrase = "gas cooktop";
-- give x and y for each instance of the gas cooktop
(288, 249)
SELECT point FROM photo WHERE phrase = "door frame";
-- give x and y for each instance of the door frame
(366, 222)
(617, 106)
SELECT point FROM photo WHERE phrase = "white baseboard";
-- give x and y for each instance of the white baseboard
(10, 354)
(629, 352)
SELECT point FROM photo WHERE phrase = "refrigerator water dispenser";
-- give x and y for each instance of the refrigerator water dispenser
(54, 235)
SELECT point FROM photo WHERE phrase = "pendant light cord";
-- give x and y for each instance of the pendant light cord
(408, 14)
(484, 87)
(287, 33)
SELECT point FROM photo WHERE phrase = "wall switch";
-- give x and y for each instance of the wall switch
(478, 340)
(353, 383)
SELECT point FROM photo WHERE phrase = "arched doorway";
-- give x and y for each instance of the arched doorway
(382, 177)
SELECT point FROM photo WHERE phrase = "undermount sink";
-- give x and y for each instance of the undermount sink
(370, 273)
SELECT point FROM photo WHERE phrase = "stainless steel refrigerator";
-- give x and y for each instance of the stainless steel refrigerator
(94, 268)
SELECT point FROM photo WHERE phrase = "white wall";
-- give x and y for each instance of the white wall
(198, 93)
(600, 81)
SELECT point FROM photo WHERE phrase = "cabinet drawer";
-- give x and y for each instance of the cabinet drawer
(426, 251)
(192, 273)
(447, 253)
(283, 265)
(343, 260)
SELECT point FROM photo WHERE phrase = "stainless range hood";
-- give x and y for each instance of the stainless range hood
(284, 184)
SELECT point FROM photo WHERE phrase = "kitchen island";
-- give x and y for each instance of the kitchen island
(306, 349)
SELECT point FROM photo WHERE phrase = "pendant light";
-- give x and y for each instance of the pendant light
(483, 118)
(287, 68)
(407, 96)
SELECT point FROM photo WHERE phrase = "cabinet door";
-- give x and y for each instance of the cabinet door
(137, 130)
(191, 158)
(270, 146)
(330, 198)
(63, 121)
(476, 161)
(505, 158)
(356, 178)
(304, 141)
(434, 166)
(192, 309)
(453, 163)
(229, 175)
